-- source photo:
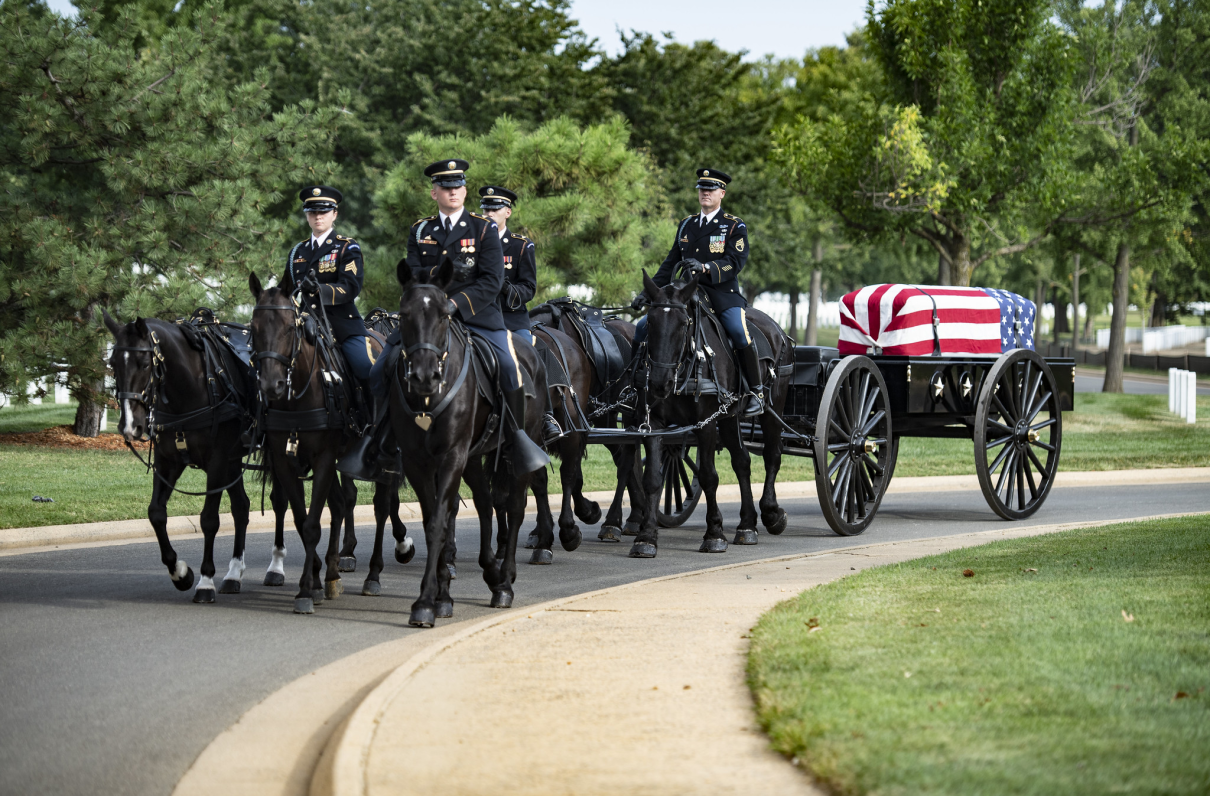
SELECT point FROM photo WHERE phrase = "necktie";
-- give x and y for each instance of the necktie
(448, 225)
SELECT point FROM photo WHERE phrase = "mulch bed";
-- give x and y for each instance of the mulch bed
(63, 437)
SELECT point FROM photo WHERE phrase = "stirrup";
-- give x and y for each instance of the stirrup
(552, 432)
(754, 404)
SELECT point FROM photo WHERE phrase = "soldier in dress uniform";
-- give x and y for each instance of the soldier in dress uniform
(716, 246)
(473, 243)
(330, 268)
(520, 266)
(520, 280)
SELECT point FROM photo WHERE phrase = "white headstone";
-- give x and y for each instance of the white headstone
(62, 394)
(1191, 398)
(105, 419)
(1172, 389)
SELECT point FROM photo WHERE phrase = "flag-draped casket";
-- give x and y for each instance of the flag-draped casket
(918, 320)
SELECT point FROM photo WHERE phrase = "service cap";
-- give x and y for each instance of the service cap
(448, 173)
(493, 196)
(320, 198)
(712, 178)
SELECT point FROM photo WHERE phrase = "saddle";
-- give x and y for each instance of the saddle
(487, 371)
(608, 351)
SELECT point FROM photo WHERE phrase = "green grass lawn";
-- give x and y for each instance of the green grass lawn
(1013, 681)
(1106, 432)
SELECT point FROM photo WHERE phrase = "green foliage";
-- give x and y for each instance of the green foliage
(131, 182)
(965, 141)
(591, 204)
(1026, 677)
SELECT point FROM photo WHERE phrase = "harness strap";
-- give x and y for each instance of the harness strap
(467, 353)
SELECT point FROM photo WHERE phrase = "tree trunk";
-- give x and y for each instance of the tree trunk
(813, 307)
(794, 315)
(1159, 310)
(1039, 300)
(1117, 326)
(943, 270)
(88, 411)
(962, 270)
(1075, 305)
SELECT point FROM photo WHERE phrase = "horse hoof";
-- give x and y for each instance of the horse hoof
(347, 564)
(610, 533)
(229, 587)
(203, 596)
(445, 610)
(591, 515)
(422, 617)
(779, 523)
(532, 541)
(371, 588)
(303, 605)
(185, 582)
(317, 596)
(630, 529)
(744, 536)
(502, 599)
(275, 579)
(333, 589)
(406, 555)
(571, 539)
(453, 572)
(542, 556)
(713, 546)
(642, 550)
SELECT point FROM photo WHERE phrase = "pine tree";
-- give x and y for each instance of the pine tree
(592, 204)
(133, 181)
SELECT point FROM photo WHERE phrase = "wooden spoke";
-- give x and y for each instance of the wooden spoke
(1014, 476)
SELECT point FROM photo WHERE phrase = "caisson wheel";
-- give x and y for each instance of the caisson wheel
(1018, 434)
(681, 487)
(854, 446)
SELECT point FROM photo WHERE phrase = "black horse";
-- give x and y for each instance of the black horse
(685, 353)
(597, 405)
(164, 390)
(299, 378)
(443, 421)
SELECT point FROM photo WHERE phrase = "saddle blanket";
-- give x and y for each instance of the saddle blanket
(919, 320)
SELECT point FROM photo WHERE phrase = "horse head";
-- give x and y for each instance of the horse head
(668, 332)
(132, 364)
(424, 326)
(276, 338)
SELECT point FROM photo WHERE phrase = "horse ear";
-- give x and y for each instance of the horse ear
(403, 273)
(286, 283)
(686, 291)
(140, 326)
(113, 326)
(445, 274)
(255, 286)
(650, 287)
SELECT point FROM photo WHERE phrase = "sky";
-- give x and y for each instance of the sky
(786, 28)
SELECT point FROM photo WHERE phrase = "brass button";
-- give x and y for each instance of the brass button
(443, 251)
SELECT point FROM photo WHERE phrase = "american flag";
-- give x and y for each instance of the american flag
(1017, 315)
(918, 320)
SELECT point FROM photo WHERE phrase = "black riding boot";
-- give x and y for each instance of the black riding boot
(754, 405)
(361, 461)
(551, 431)
(525, 455)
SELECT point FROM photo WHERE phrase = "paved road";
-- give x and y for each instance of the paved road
(1085, 383)
(111, 682)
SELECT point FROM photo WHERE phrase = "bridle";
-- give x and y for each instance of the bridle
(295, 350)
(150, 396)
(442, 353)
(676, 365)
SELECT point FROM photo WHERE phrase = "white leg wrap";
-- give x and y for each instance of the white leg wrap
(406, 545)
(181, 569)
(205, 583)
(236, 570)
(278, 562)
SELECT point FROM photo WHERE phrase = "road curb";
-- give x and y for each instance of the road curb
(349, 748)
(97, 533)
